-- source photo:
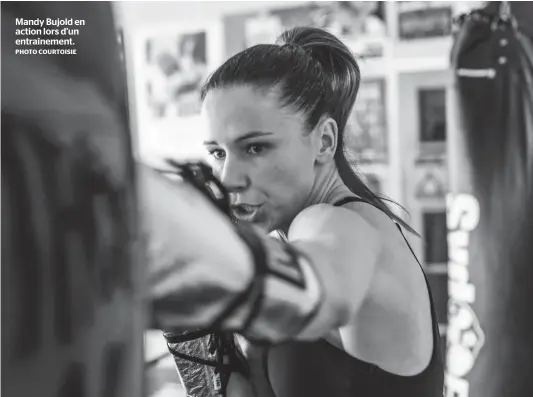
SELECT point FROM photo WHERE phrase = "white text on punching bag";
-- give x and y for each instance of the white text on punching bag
(464, 334)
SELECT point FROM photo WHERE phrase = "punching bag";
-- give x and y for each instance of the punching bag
(490, 205)
(72, 320)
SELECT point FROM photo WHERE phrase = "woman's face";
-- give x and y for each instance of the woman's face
(261, 153)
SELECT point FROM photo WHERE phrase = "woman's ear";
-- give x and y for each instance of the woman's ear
(327, 133)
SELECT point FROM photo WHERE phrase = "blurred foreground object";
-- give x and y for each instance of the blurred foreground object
(490, 208)
(205, 357)
(72, 321)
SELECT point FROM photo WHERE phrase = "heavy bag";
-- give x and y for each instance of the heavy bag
(72, 321)
(490, 206)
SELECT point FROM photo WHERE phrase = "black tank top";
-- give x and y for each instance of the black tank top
(318, 369)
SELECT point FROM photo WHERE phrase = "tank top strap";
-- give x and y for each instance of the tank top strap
(346, 200)
(436, 332)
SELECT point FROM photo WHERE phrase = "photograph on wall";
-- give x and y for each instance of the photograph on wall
(352, 19)
(432, 111)
(176, 69)
(424, 19)
(362, 24)
(366, 131)
(429, 19)
(432, 122)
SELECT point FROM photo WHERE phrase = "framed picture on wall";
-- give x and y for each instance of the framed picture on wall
(432, 122)
(424, 19)
(361, 24)
(432, 109)
(366, 132)
(169, 65)
(176, 69)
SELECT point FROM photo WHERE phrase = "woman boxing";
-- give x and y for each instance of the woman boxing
(339, 297)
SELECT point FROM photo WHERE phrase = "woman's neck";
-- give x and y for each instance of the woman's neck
(328, 188)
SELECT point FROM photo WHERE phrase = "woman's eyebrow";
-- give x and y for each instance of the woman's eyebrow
(251, 134)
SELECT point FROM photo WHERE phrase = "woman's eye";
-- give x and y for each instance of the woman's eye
(217, 154)
(256, 148)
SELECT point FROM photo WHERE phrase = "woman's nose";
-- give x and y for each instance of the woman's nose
(234, 175)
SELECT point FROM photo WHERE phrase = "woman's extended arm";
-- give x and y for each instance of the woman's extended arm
(343, 250)
(201, 264)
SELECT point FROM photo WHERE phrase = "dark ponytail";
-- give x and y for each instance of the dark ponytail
(317, 74)
(341, 71)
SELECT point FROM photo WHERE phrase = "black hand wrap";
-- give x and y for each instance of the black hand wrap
(205, 360)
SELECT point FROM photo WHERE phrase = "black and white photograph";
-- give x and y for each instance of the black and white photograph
(176, 67)
(353, 19)
(267, 199)
(366, 132)
(362, 23)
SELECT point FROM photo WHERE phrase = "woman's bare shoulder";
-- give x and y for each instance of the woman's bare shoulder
(325, 219)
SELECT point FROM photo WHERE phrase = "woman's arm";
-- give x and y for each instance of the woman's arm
(202, 263)
(343, 249)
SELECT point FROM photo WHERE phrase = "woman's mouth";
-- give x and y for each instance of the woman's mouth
(245, 212)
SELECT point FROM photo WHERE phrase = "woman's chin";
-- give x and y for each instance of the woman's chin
(265, 225)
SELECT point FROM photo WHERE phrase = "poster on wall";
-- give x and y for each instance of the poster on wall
(424, 19)
(361, 24)
(170, 66)
(366, 131)
(427, 19)
(176, 67)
